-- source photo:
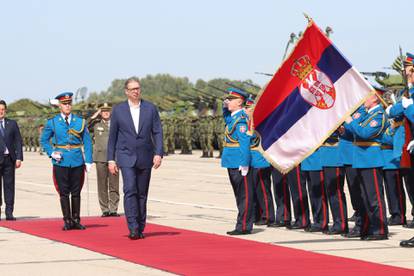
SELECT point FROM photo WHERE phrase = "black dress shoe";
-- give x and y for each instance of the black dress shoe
(374, 237)
(237, 232)
(76, 225)
(133, 235)
(141, 235)
(106, 214)
(315, 228)
(333, 231)
(407, 243)
(278, 224)
(67, 225)
(10, 217)
(296, 226)
(114, 214)
(409, 225)
(352, 218)
(354, 233)
(395, 221)
(261, 222)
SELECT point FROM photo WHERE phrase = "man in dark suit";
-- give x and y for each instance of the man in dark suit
(11, 157)
(135, 146)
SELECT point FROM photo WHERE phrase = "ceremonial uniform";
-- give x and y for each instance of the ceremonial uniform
(392, 141)
(368, 160)
(65, 136)
(312, 168)
(334, 181)
(108, 184)
(236, 158)
(297, 186)
(282, 199)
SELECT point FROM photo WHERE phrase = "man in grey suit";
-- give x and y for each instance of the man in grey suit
(135, 146)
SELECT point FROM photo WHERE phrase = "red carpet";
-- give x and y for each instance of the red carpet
(195, 253)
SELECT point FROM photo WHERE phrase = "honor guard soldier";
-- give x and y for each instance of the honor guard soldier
(368, 161)
(334, 181)
(63, 138)
(108, 184)
(236, 158)
(312, 168)
(261, 177)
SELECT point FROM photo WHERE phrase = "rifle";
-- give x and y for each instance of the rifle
(376, 74)
(238, 87)
(215, 87)
(266, 74)
(405, 93)
(252, 85)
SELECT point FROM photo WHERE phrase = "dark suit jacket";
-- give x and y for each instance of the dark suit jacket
(13, 140)
(129, 148)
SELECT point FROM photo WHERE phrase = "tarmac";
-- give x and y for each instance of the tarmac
(186, 192)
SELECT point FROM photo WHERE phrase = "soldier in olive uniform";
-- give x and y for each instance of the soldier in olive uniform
(164, 123)
(219, 133)
(205, 141)
(108, 184)
(170, 136)
(185, 136)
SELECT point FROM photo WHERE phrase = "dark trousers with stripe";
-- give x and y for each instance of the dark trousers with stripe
(68, 183)
(408, 175)
(7, 180)
(335, 180)
(354, 189)
(395, 195)
(263, 193)
(282, 197)
(243, 191)
(317, 195)
(373, 213)
(297, 186)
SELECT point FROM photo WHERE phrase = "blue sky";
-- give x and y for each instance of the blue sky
(53, 46)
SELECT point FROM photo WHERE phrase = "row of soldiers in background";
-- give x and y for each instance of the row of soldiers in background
(370, 150)
(186, 133)
(31, 137)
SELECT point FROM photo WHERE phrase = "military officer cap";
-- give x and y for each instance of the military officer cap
(249, 101)
(380, 90)
(234, 93)
(106, 107)
(65, 97)
(408, 61)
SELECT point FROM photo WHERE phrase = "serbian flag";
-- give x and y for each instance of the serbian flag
(308, 98)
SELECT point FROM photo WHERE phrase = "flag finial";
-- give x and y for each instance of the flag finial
(307, 17)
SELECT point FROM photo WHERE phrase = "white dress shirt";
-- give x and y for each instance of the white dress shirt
(64, 116)
(4, 129)
(135, 109)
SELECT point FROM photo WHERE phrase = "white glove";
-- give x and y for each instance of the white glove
(226, 103)
(244, 170)
(410, 146)
(56, 155)
(406, 102)
(387, 110)
(88, 167)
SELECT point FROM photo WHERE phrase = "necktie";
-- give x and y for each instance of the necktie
(67, 120)
(1, 128)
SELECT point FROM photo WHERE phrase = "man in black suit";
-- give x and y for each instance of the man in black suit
(11, 157)
(135, 146)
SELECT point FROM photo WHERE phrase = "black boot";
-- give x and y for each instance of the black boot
(76, 213)
(65, 205)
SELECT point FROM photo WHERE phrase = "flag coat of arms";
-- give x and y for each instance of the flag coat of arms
(308, 98)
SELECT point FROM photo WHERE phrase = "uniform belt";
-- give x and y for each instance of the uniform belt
(231, 145)
(68, 147)
(366, 144)
(330, 144)
(386, 147)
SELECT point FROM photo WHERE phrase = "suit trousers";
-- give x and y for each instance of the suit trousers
(243, 191)
(282, 197)
(108, 188)
(136, 186)
(7, 180)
